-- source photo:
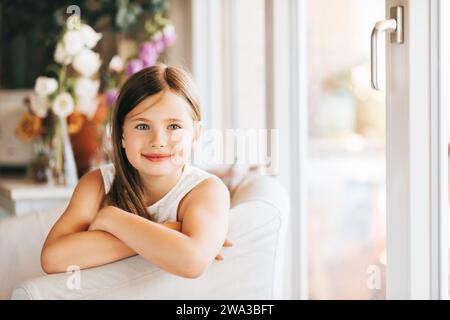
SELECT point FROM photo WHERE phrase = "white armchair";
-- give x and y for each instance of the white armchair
(259, 206)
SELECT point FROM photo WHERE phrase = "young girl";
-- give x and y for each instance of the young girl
(149, 200)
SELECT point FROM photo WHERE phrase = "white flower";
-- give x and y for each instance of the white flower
(116, 64)
(63, 104)
(157, 36)
(39, 105)
(86, 88)
(169, 30)
(45, 86)
(90, 37)
(87, 62)
(87, 106)
(73, 42)
(61, 55)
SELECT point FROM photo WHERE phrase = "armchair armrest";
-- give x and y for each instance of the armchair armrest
(21, 240)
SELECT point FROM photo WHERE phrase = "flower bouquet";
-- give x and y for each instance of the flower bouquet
(159, 34)
(61, 103)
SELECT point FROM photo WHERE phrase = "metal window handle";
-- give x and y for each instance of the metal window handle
(395, 27)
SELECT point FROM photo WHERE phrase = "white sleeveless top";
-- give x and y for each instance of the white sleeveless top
(165, 209)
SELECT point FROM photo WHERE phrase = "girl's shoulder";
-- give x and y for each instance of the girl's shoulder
(89, 188)
(201, 178)
(205, 185)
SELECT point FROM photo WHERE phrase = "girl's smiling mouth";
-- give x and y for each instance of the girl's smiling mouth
(157, 157)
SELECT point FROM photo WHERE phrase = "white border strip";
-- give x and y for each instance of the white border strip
(299, 132)
(441, 11)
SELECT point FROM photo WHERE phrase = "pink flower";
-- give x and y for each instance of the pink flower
(158, 41)
(134, 66)
(111, 96)
(149, 63)
(148, 54)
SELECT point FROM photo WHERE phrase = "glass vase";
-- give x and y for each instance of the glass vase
(40, 164)
(62, 160)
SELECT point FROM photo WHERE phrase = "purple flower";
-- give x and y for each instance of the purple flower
(111, 96)
(149, 63)
(148, 54)
(158, 42)
(134, 66)
(169, 35)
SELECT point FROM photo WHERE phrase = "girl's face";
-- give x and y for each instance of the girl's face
(158, 134)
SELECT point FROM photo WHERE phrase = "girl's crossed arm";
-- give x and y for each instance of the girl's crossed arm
(70, 243)
(81, 237)
(187, 254)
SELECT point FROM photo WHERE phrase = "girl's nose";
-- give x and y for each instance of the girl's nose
(158, 139)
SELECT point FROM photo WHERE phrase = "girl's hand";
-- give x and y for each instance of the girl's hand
(226, 244)
(176, 225)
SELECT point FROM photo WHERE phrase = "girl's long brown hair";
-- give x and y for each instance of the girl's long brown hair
(126, 191)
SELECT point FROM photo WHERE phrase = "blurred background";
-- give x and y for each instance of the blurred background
(224, 44)
(347, 152)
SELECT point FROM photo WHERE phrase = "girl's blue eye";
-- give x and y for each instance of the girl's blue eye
(141, 124)
(174, 126)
